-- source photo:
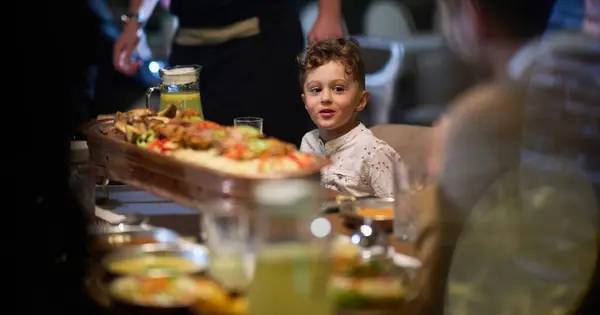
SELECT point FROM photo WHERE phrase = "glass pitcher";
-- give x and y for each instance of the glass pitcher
(291, 268)
(180, 86)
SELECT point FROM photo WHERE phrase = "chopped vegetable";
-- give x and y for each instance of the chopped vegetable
(145, 138)
(205, 124)
(249, 131)
(156, 292)
(258, 146)
(218, 134)
(235, 152)
(162, 145)
(269, 165)
(193, 118)
(302, 159)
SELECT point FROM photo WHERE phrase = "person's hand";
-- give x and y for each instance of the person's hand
(143, 50)
(124, 48)
(325, 27)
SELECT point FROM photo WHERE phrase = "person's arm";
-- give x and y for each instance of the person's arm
(478, 141)
(143, 8)
(107, 21)
(331, 9)
(329, 21)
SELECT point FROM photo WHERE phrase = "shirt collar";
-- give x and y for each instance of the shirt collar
(334, 145)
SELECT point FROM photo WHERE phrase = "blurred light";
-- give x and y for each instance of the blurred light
(320, 227)
(366, 230)
(154, 66)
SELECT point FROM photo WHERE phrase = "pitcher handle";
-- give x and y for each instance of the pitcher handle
(149, 96)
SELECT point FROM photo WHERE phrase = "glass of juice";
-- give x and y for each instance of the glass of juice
(180, 85)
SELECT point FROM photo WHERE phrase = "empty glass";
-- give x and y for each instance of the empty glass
(227, 239)
(405, 219)
(255, 122)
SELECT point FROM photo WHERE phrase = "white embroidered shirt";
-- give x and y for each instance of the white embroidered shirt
(361, 164)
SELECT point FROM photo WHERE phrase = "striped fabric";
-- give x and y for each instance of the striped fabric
(562, 112)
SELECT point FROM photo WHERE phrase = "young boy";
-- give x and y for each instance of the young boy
(333, 85)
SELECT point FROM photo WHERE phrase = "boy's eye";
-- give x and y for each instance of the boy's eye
(315, 90)
(339, 89)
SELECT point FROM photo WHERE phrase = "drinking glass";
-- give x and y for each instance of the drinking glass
(405, 218)
(227, 236)
(255, 122)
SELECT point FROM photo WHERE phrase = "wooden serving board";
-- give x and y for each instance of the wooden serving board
(165, 176)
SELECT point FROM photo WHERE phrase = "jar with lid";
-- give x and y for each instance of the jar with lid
(180, 86)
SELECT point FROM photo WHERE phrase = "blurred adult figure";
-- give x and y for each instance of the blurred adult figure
(101, 89)
(567, 14)
(248, 51)
(561, 137)
(53, 259)
(515, 190)
(497, 241)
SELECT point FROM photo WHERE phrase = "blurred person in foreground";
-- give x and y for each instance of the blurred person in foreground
(507, 236)
(50, 250)
(247, 50)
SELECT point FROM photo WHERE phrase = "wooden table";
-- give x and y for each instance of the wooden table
(188, 225)
(186, 222)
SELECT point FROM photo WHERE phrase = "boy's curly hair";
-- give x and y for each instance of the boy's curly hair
(345, 51)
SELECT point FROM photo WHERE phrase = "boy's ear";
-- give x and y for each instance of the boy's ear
(303, 99)
(364, 99)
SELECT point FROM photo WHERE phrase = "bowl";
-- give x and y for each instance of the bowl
(356, 211)
(160, 296)
(106, 239)
(157, 260)
(385, 291)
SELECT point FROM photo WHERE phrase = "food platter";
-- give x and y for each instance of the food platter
(186, 183)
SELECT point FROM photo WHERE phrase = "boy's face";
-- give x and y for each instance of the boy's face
(332, 97)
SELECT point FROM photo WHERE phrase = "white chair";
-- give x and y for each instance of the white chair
(383, 63)
(388, 19)
(308, 16)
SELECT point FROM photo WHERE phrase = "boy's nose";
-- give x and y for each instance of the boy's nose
(326, 97)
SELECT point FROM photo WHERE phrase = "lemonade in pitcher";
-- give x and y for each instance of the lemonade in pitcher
(184, 100)
(292, 262)
(290, 279)
(180, 86)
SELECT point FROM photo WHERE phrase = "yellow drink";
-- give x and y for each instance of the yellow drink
(290, 279)
(184, 100)
(229, 270)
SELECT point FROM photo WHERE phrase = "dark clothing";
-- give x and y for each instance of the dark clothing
(98, 88)
(52, 257)
(214, 13)
(567, 14)
(111, 91)
(254, 76)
